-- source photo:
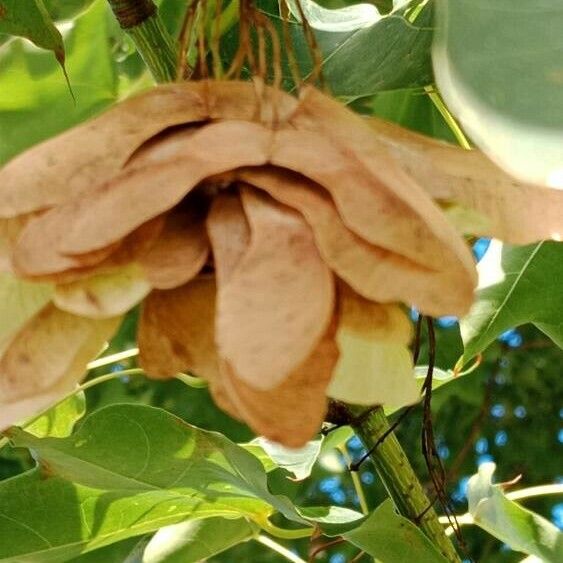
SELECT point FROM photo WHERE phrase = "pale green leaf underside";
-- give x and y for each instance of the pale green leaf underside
(521, 529)
(299, 461)
(197, 540)
(348, 18)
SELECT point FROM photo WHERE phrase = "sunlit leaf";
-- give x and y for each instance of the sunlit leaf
(66, 9)
(130, 470)
(517, 285)
(113, 443)
(59, 420)
(521, 529)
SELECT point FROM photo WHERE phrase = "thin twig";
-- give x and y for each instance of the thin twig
(356, 558)
(355, 479)
(283, 551)
(323, 547)
(114, 358)
(448, 117)
(433, 462)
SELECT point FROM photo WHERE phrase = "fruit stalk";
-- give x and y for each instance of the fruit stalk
(141, 20)
(399, 478)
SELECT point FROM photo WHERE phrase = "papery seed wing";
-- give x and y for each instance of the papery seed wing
(19, 301)
(104, 295)
(365, 267)
(10, 230)
(45, 359)
(92, 153)
(502, 207)
(176, 331)
(375, 365)
(62, 167)
(35, 254)
(278, 301)
(374, 196)
(141, 194)
(292, 412)
(178, 254)
(229, 233)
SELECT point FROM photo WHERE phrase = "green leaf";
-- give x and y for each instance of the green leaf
(35, 102)
(391, 54)
(517, 285)
(66, 9)
(498, 66)
(439, 377)
(52, 520)
(521, 529)
(59, 420)
(193, 541)
(389, 537)
(30, 19)
(139, 448)
(297, 461)
(127, 471)
(411, 108)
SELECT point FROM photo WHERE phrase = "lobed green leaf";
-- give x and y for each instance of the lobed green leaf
(517, 285)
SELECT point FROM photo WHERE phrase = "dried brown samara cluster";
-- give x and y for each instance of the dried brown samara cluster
(270, 240)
